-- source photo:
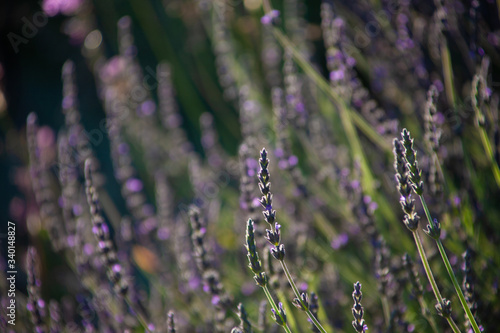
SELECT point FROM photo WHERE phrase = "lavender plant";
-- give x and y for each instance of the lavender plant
(273, 236)
(357, 310)
(433, 229)
(133, 202)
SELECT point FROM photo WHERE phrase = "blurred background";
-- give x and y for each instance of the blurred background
(392, 52)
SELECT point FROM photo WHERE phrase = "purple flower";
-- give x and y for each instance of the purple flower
(147, 108)
(66, 7)
(337, 75)
(134, 185)
(255, 202)
(270, 17)
(339, 241)
(116, 268)
(215, 300)
(123, 148)
(163, 233)
(293, 160)
(88, 249)
(194, 283)
(265, 20)
(351, 62)
(248, 288)
(243, 204)
(40, 302)
(283, 164)
(77, 210)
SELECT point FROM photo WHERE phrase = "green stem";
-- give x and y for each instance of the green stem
(427, 268)
(448, 73)
(385, 309)
(453, 278)
(453, 325)
(457, 287)
(486, 143)
(275, 307)
(489, 152)
(430, 277)
(297, 294)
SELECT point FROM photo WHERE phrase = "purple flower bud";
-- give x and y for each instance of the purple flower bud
(337, 75)
(41, 302)
(351, 62)
(134, 185)
(266, 20)
(88, 249)
(45, 137)
(215, 300)
(147, 108)
(77, 210)
(163, 233)
(283, 164)
(194, 283)
(255, 202)
(123, 148)
(274, 13)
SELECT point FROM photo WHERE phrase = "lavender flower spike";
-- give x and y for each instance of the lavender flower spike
(278, 250)
(253, 256)
(411, 218)
(171, 322)
(280, 316)
(245, 326)
(357, 309)
(273, 234)
(101, 232)
(35, 303)
(412, 164)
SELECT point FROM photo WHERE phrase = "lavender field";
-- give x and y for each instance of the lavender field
(249, 166)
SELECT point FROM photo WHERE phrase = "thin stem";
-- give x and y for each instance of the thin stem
(457, 287)
(427, 268)
(430, 276)
(274, 306)
(437, 163)
(448, 73)
(453, 278)
(489, 152)
(297, 294)
(385, 309)
(453, 325)
(486, 143)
